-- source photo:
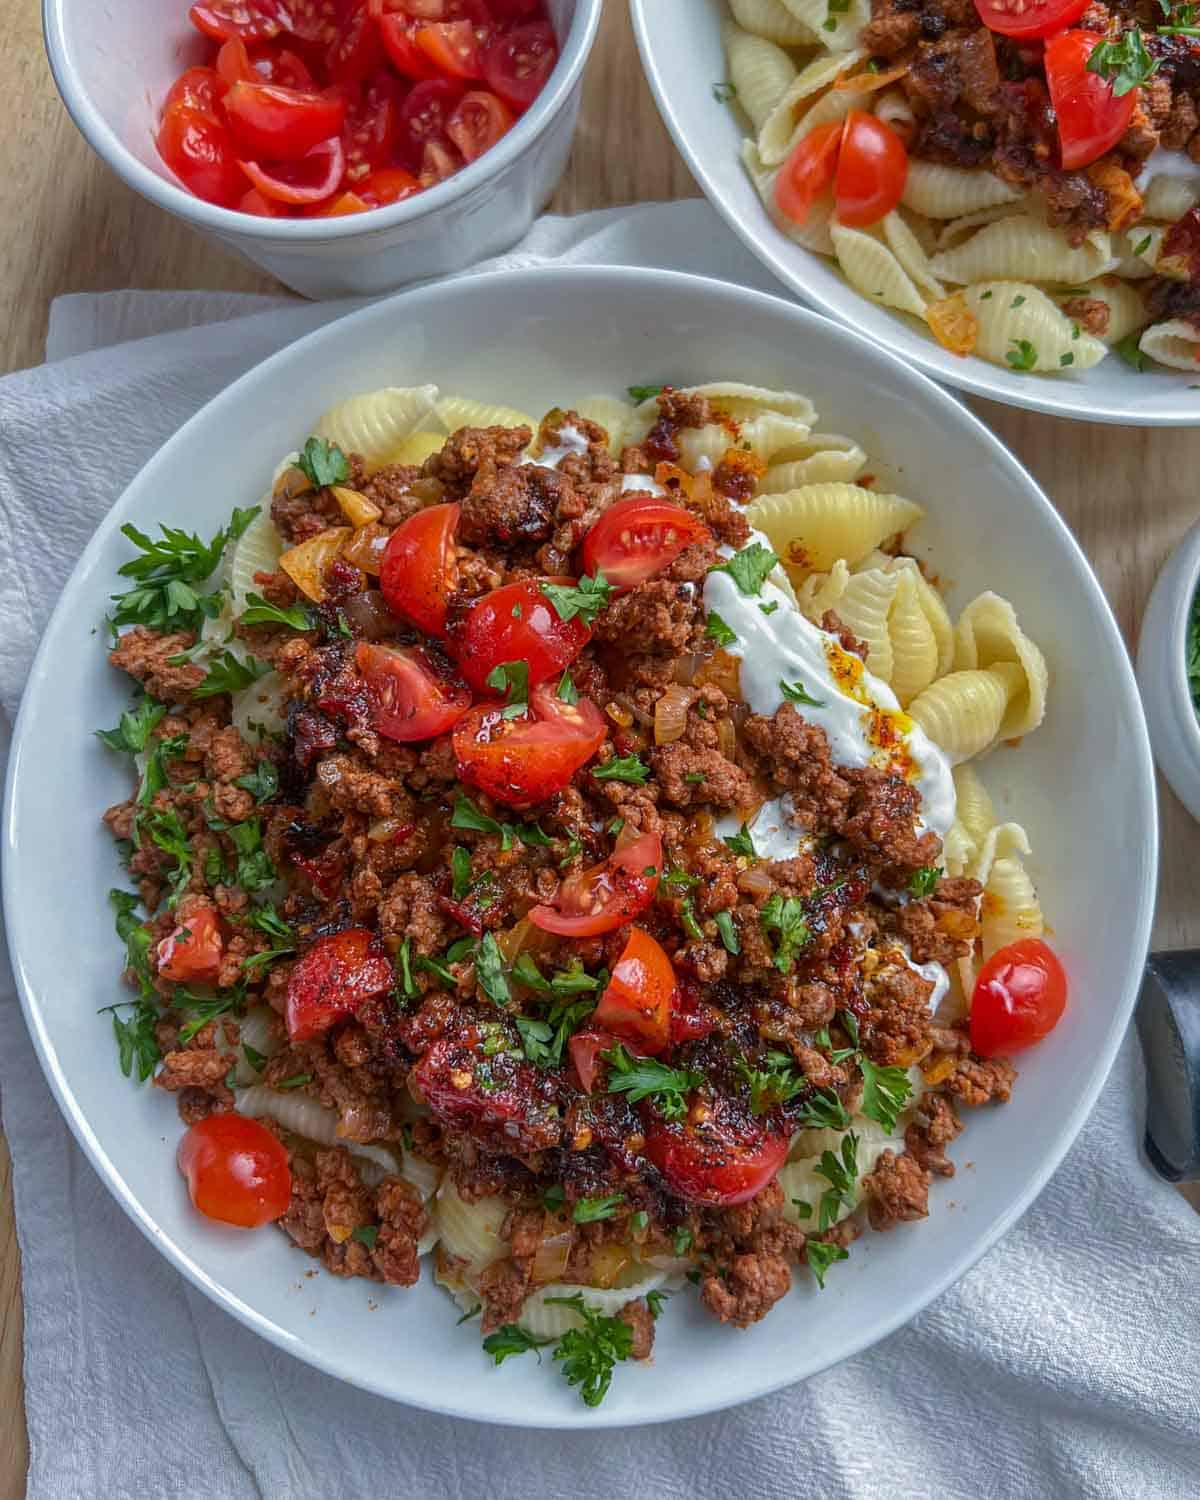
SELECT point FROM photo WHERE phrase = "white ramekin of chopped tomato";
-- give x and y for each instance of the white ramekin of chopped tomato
(346, 146)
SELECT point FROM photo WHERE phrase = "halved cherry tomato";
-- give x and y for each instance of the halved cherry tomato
(423, 117)
(399, 37)
(438, 161)
(358, 48)
(478, 122)
(518, 62)
(605, 896)
(517, 623)
(514, 10)
(1029, 18)
(202, 154)
(266, 64)
(636, 539)
(691, 1016)
(726, 1156)
(314, 20)
(315, 177)
(451, 47)
(636, 1005)
(871, 171)
(199, 88)
(808, 171)
(410, 699)
(237, 1170)
(419, 571)
(504, 1103)
(1019, 998)
(282, 124)
(585, 1048)
(344, 203)
(332, 979)
(253, 202)
(195, 948)
(1091, 117)
(372, 126)
(253, 20)
(388, 185)
(526, 760)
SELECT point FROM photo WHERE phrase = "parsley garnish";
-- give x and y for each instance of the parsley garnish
(259, 612)
(512, 679)
(716, 630)
(729, 934)
(642, 1077)
(630, 768)
(741, 843)
(585, 598)
(201, 1009)
(923, 882)
(254, 868)
(824, 1110)
(724, 91)
(227, 674)
(588, 1210)
(820, 1255)
(460, 873)
(567, 692)
(489, 970)
(164, 596)
(569, 981)
(438, 970)
(1018, 301)
(776, 1083)
(588, 1354)
(467, 1316)
(406, 984)
(639, 1220)
(323, 462)
(1142, 245)
(682, 1242)
(296, 1081)
(133, 727)
(136, 1041)
(640, 393)
(885, 1093)
(154, 777)
(168, 833)
(1066, 359)
(769, 609)
(654, 1301)
(785, 916)
(1023, 356)
(263, 781)
(794, 693)
(365, 1234)
(841, 1174)
(254, 1057)
(511, 1340)
(1128, 350)
(749, 567)
(1125, 63)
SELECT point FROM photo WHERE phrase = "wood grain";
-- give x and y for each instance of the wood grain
(1128, 494)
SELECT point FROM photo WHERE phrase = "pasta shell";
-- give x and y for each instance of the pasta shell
(908, 251)
(1169, 198)
(802, 1184)
(616, 417)
(417, 447)
(818, 15)
(963, 711)
(1010, 909)
(823, 591)
(974, 806)
(1024, 249)
(934, 609)
(547, 1319)
(958, 230)
(470, 1231)
(258, 710)
(374, 424)
(942, 192)
(461, 411)
(871, 268)
(833, 459)
(760, 71)
(914, 645)
(988, 634)
(957, 849)
(257, 550)
(1174, 343)
(812, 527)
(1018, 319)
(1137, 250)
(260, 1032)
(1126, 308)
(863, 609)
(785, 125)
(893, 109)
(1001, 842)
(773, 20)
(303, 1116)
(742, 402)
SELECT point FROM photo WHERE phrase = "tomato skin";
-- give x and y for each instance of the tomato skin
(253, 202)
(1091, 118)
(808, 171)
(260, 19)
(637, 538)
(281, 124)
(1019, 998)
(505, 1105)
(636, 1004)
(332, 979)
(357, 50)
(1038, 18)
(399, 37)
(200, 89)
(691, 1017)
(726, 1158)
(388, 185)
(419, 572)
(194, 949)
(410, 700)
(518, 63)
(423, 117)
(451, 47)
(478, 122)
(524, 761)
(605, 896)
(201, 153)
(872, 169)
(490, 634)
(237, 1172)
(585, 1048)
(312, 179)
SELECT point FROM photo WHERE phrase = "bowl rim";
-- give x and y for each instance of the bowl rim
(602, 281)
(1036, 393)
(225, 222)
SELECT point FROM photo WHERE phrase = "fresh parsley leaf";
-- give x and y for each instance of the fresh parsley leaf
(259, 612)
(794, 693)
(460, 873)
(167, 832)
(841, 1172)
(254, 1057)
(785, 917)
(775, 1083)
(1017, 301)
(885, 1093)
(512, 679)
(165, 594)
(724, 91)
(749, 567)
(923, 882)
(438, 970)
(728, 931)
(553, 1198)
(639, 1221)
(682, 1242)
(824, 1111)
(510, 1340)
(201, 1009)
(365, 1234)
(459, 950)
(489, 970)
(1142, 245)
(1066, 359)
(296, 1081)
(654, 1301)
(630, 768)
(1023, 356)
(1125, 63)
(589, 1210)
(567, 692)
(803, 1209)
(467, 1316)
(716, 630)
(640, 393)
(536, 1037)
(642, 1078)
(820, 1255)
(137, 1045)
(323, 462)
(263, 781)
(407, 985)
(133, 727)
(468, 815)
(589, 1354)
(228, 674)
(687, 919)
(254, 868)
(1128, 349)
(741, 843)
(586, 598)
(154, 777)
(267, 919)
(769, 609)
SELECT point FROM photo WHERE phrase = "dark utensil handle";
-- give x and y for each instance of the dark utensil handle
(1168, 1020)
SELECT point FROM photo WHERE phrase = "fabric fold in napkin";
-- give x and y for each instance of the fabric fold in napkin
(1067, 1363)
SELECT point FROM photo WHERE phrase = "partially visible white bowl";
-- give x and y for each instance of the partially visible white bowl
(1083, 785)
(1162, 672)
(680, 43)
(113, 65)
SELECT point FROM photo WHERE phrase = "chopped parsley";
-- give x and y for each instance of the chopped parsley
(489, 970)
(654, 1301)
(254, 868)
(1066, 359)
(820, 1255)
(841, 1172)
(1017, 301)
(1125, 63)
(1023, 356)
(467, 1316)
(923, 882)
(741, 843)
(716, 630)
(296, 1081)
(570, 981)
(769, 609)
(784, 916)
(133, 727)
(588, 1354)
(323, 462)
(262, 782)
(682, 1242)
(460, 873)
(201, 1009)
(406, 984)
(723, 93)
(585, 598)
(824, 1111)
(553, 1198)
(166, 576)
(728, 931)
(775, 1083)
(437, 969)
(137, 1045)
(228, 674)
(1142, 245)
(885, 1093)
(642, 1077)
(640, 393)
(154, 777)
(512, 679)
(589, 1210)
(749, 567)
(365, 1234)
(794, 693)
(639, 1221)
(468, 815)
(167, 832)
(567, 692)
(630, 768)
(1128, 350)
(259, 612)
(254, 1057)
(511, 1339)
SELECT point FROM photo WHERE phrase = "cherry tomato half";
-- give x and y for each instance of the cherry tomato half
(332, 979)
(372, 127)
(503, 1104)
(253, 202)
(312, 179)
(388, 185)
(282, 124)
(1019, 998)
(517, 623)
(637, 538)
(237, 1171)
(423, 117)
(410, 699)
(266, 64)
(523, 761)
(201, 152)
(585, 1048)
(1029, 18)
(636, 1005)
(518, 63)
(605, 896)
(726, 1157)
(451, 47)
(399, 34)
(357, 50)
(419, 571)
(198, 88)
(477, 123)
(871, 171)
(252, 20)
(808, 171)
(1091, 118)
(193, 951)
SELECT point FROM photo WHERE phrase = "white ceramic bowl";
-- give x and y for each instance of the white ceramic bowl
(114, 64)
(681, 51)
(1083, 785)
(1162, 672)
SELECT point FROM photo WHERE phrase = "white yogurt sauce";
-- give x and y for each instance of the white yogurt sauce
(641, 482)
(570, 441)
(773, 833)
(936, 974)
(1168, 164)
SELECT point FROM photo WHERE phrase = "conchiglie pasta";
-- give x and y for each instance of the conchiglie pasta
(766, 436)
(963, 711)
(942, 192)
(907, 249)
(1003, 841)
(987, 635)
(773, 20)
(546, 1318)
(914, 643)
(823, 591)
(760, 71)
(461, 411)
(470, 1232)
(259, 1036)
(303, 1116)
(957, 849)
(616, 417)
(818, 15)
(871, 268)
(863, 609)
(417, 447)
(785, 125)
(802, 1184)
(374, 424)
(258, 710)
(257, 550)
(1019, 320)
(1126, 308)
(893, 109)
(958, 230)
(734, 399)
(1174, 343)
(974, 804)
(1010, 910)
(1024, 249)
(812, 527)
(832, 459)
(1169, 198)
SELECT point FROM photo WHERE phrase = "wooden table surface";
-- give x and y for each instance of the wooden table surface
(1129, 494)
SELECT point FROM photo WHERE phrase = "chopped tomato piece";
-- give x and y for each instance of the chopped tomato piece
(282, 124)
(478, 122)
(419, 571)
(357, 50)
(332, 979)
(605, 896)
(201, 153)
(423, 117)
(691, 1016)
(725, 1155)
(372, 127)
(871, 171)
(637, 538)
(518, 63)
(399, 34)
(1029, 18)
(388, 185)
(410, 698)
(266, 64)
(1091, 117)
(438, 161)
(525, 760)
(504, 1103)
(808, 171)
(200, 89)
(344, 203)
(314, 178)
(252, 20)
(194, 950)
(236, 1169)
(636, 1005)
(585, 1048)
(1019, 998)
(451, 47)
(517, 623)
(253, 202)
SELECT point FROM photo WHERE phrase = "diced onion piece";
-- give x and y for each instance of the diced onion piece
(292, 482)
(619, 714)
(306, 563)
(670, 714)
(756, 881)
(608, 1262)
(726, 738)
(553, 1252)
(522, 938)
(366, 547)
(356, 508)
(724, 670)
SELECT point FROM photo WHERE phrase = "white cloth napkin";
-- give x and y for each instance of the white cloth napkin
(1067, 1363)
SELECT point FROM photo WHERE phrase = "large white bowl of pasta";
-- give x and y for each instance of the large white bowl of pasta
(986, 620)
(965, 261)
